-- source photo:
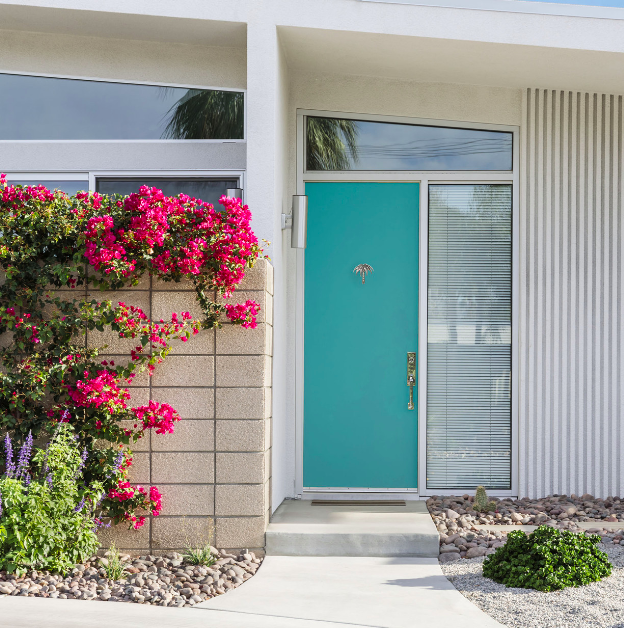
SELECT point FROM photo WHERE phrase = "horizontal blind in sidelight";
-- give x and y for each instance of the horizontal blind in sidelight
(469, 337)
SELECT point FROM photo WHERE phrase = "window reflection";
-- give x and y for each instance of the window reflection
(208, 190)
(41, 108)
(340, 144)
(69, 187)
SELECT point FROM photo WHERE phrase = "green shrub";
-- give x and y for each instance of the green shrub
(47, 512)
(547, 560)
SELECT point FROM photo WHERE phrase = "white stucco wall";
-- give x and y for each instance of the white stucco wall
(122, 59)
(125, 60)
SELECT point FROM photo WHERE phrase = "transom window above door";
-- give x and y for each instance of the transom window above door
(48, 109)
(340, 144)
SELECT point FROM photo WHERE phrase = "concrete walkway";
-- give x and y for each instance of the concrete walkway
(287, 592)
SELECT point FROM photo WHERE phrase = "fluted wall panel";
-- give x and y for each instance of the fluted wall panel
(571, 286)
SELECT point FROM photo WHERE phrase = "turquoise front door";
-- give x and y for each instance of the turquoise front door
(358, 431)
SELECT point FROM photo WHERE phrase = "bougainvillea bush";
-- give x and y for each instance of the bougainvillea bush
(50, 241)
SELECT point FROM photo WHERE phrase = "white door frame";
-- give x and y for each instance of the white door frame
(425, 178)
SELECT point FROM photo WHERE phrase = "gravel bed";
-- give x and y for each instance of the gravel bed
(154, 580)
(600, 604)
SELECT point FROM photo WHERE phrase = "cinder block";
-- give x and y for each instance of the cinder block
(203, 343)
(239, 500)
(268, 433)
(260, 277)
(270, 278)
(187, 499)
(140, 469)
(164, 304)
(182, 532)
(235, 435)
(159, 285)
(267, 495)
(186, 370)
(138, 397)
(124, 537)
(240, 468)
(268, 403)
(267, 464)
(188, 435)
(241, 532)
(234, 339)
(240, 403)
(191, 403)
(182, 468)
(242, 370)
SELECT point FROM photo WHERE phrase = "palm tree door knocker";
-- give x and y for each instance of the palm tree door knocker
(363, 270)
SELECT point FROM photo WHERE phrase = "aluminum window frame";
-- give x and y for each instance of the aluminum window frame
(128, 82)
(90, 176)
(425, 178)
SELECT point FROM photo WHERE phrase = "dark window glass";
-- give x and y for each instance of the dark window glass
(70, 187)
(39, 108)
(208, 190)
(338, 144)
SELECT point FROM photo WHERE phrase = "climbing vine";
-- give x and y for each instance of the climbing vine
(52, 242)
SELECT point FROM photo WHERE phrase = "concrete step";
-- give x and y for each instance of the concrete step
(299, 528)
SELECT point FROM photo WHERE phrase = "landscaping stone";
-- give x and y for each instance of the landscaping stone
(455, 519)
(162, 581)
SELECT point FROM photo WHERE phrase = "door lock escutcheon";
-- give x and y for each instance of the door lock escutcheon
(411, 377)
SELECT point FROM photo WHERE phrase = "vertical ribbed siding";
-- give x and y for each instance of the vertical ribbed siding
(571, 282)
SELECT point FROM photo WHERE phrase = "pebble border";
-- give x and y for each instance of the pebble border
(153, 580)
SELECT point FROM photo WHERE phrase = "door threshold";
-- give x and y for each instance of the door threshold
(358, 502)
(342, 495)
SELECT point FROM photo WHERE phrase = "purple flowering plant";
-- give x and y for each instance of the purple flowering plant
(49, 512)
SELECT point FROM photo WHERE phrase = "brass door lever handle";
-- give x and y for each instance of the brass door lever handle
(411, 377)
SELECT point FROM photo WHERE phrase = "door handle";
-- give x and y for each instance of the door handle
(411, 377)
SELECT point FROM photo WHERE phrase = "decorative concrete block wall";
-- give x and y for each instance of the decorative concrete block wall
(215, 471)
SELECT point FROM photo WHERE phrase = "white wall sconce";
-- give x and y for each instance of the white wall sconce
(297, 221)
(234, 193)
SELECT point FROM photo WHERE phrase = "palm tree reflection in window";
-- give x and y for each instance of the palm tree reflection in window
(331, 144)
(206, 115)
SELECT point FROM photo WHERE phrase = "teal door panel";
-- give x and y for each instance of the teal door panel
(358, 431)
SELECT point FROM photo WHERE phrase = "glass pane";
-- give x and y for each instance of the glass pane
(469, 337)
(40, 108)
(208, 190)
(70, 187)
(336, 144)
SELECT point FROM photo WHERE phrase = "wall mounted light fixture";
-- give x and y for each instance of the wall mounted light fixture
(234, 193)
(297, 220)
